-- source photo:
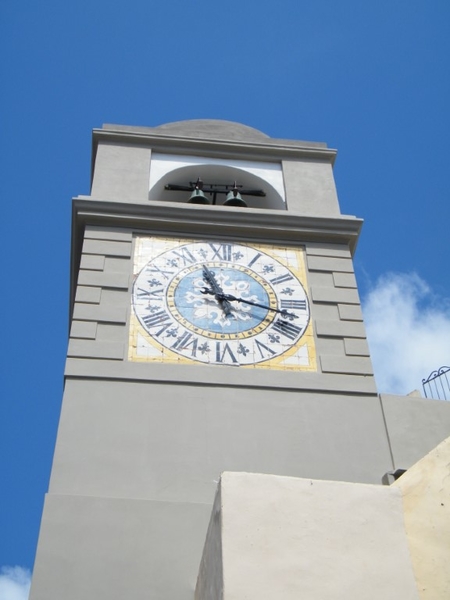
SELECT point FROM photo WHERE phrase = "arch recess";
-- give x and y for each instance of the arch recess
(166, 169)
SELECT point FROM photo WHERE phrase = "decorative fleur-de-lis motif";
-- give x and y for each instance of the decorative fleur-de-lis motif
(172, 332)
(243, 350)
(268, 269)
(289, 291)
(274, 339)
(153, 282)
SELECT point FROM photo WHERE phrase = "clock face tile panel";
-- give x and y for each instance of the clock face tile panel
(220, 302)
(103, 313)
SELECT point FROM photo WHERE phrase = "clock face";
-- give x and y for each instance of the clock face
(221, 303)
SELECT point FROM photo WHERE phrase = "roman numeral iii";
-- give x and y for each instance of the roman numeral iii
(298, 304)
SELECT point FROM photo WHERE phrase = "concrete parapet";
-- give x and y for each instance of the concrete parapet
(425, 490)
(288, 538)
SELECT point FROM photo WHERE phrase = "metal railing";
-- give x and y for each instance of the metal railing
(437, 384)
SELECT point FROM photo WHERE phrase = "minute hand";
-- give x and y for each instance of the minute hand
(232, 298)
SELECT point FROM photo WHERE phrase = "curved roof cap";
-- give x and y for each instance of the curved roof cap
(212, 128)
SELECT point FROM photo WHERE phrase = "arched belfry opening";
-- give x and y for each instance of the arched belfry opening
(261, 184)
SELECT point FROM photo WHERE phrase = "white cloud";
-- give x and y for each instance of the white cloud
(14, 583)
(408, 329)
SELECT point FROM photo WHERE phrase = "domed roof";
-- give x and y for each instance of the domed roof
(212, 128)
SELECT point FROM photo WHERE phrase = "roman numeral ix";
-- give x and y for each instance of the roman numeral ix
(150, 293)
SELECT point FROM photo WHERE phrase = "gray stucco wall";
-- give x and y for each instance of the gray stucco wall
(415, 426)
(164, 441)
(94, 548)
(148, 442)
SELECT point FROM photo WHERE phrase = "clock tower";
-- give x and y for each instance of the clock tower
(215, 326)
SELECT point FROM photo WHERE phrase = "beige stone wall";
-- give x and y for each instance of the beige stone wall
(425, 490)
(289, 538)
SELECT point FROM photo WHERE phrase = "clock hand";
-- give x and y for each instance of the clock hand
(284, 313)
(216, 290)
(231, 298)
(210, 278)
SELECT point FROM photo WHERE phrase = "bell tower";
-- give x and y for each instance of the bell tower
(215, 326)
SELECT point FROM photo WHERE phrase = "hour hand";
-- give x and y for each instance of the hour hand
(215, 290)
(210, 292)
(210, 278)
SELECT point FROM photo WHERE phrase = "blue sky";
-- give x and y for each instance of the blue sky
(370, 79)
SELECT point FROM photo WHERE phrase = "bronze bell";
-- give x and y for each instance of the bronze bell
(234, 198)
(198, 196)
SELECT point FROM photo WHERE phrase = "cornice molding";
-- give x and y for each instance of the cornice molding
(270, 150)
(267, 225)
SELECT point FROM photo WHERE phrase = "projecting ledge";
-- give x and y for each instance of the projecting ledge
(266, 224)
(213, 375)
(212, 139)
